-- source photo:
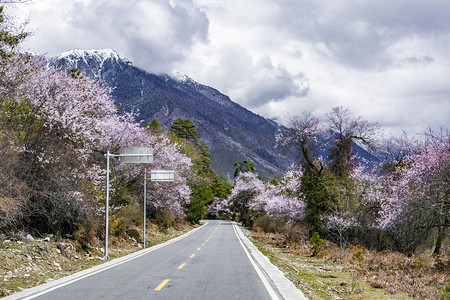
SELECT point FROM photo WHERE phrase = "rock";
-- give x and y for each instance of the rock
(29, 237)
(47, 239)
(58, 251)
(56, 264)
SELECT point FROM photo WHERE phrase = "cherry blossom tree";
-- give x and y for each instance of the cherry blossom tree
(349, 129)
(219, 208)
(247, 187)
(282, 201)
(61, 126)
(339, 224)
(416, 194)
(303, 133)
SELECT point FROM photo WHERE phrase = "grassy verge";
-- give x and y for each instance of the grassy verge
(28, 263)
(369, 275)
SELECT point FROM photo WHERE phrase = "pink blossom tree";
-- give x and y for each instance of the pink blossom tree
(247, 187)
(339, 224)
(349, 129)
(219, 208)
(303, 133)
(416, 194)
(60, 126)
(282, 201)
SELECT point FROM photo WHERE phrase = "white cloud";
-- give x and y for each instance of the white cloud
(153, 34)
(388, 61)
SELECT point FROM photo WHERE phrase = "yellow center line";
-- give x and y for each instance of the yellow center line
(192, 256)
(181, 266)
(162, 284)
(198, 249)
(203, 244)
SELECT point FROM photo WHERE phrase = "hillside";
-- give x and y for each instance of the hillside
(232, 132)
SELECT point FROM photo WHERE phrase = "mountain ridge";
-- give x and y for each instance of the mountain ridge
(231, 131)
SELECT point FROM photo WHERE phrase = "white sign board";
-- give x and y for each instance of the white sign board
(162, 175)
(136, 155)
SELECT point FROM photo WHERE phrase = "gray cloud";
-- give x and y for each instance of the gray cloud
(274, 83)
(359, 33)
(385, 60)
(254, 83)
(153, 34)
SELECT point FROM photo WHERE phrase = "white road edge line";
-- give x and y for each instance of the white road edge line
(285, 287)
(51, 286)
(267, 285)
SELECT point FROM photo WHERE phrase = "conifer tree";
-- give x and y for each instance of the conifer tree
(184, 129)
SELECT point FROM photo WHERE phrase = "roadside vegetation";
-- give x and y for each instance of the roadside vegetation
(380, 223)
(361, 274)
(358, 223)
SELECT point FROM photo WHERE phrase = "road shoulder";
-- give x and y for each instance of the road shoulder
(285, 287)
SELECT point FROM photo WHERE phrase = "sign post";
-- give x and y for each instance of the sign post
(155, 175)
(127, 155)
(145, 200)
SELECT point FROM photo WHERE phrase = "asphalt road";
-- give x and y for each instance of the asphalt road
(211, 263)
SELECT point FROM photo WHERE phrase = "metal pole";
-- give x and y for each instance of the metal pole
(107, 206)
(145, 199)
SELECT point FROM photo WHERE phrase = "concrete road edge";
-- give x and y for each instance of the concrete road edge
(285, 287)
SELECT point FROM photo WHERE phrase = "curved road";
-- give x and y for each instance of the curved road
(209, 263)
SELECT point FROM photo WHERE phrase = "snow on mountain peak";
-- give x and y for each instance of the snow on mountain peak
(181, 77)
(99, 54)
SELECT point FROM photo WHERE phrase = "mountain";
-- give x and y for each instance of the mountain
(232, 132)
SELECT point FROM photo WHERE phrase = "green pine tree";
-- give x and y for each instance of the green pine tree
(184, 129)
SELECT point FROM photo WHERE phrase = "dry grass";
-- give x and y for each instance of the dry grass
(363, 274)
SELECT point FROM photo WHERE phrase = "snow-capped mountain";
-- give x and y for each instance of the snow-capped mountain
(232, 132)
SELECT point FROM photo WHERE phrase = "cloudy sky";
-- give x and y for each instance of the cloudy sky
(388, 61)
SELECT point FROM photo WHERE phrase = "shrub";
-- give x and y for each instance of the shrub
(117, 226)
(85, 235)
(131, 214)
(358, 256)
(133, 232)
(445, 295)
(317, 242)
(165, 220)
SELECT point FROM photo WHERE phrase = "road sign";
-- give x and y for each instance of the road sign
(136, 155)
(133, 155)
(162, 175)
